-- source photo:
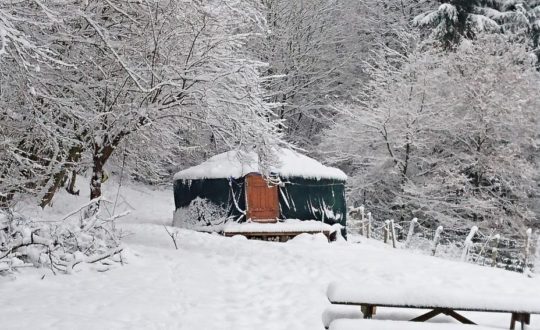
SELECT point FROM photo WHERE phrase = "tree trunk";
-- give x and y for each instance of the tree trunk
(71, 185)
(59, 178)
(100, 157)
(97, 176)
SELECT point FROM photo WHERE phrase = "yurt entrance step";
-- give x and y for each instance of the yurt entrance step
(281, 232)
(279, 236)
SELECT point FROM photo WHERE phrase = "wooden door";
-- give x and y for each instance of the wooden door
(261, 199)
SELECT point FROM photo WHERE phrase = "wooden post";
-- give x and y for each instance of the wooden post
(368, 311)
(386, 231)
(436, 238)
(495, 250)
(393, 233)
(536, 261)
(362, 217)
(468, 243)
(369, 225)
(410, 234)
(353, 214)
(527, 251)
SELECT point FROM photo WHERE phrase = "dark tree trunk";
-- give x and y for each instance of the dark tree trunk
(71, 185)
(100, 157)
(60, 178)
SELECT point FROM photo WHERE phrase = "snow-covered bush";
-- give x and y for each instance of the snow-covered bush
(59, 245)
(200, 213)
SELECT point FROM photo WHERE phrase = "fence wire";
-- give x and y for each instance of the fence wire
(491, 249)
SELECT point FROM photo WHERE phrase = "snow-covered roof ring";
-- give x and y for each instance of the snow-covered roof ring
(237, 164)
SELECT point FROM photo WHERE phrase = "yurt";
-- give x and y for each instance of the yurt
(230, 188)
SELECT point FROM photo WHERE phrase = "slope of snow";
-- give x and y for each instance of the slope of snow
(213, 282)
(236, 164)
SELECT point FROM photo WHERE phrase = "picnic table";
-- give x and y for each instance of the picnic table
(448, 301)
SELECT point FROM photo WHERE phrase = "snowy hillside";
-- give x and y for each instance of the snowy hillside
(212, 282)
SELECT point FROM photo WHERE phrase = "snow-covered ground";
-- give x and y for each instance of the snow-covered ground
(212, 282)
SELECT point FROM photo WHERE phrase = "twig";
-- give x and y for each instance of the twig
(173, 236)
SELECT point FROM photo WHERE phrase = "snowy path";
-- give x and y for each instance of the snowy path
(221, 283)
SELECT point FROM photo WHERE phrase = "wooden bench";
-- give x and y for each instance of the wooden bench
(520, 311)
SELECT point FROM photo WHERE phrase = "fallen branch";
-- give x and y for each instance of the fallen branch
(26, 241)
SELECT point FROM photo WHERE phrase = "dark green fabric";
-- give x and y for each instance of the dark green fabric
(299, 198)
(217, 191)
(310, 199)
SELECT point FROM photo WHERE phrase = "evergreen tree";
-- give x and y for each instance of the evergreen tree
(518, 17)
(455, 20)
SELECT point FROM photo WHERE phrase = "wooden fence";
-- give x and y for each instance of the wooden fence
(516, 253)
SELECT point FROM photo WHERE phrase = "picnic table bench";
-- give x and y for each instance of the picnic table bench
(447, 302)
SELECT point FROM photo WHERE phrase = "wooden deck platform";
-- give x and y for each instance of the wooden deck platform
(280, 231)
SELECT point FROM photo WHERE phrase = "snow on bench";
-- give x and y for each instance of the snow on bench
(441, 299)
(345, 324)
(429, 296)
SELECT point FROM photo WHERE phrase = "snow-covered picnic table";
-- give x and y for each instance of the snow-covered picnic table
(441, 300)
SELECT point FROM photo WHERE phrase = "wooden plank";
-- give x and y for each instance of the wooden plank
(276, 233)
(368, 311)
(282, 236)
(458, 317)
(428, 315)
(523, 318)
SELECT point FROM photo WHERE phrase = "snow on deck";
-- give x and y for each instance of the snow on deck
(422, 293)
(287, 226)
(237, 164)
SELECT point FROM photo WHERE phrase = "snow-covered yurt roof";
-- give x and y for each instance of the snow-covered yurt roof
(237, 164)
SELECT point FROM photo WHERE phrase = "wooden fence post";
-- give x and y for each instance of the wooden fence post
(436, 238)
(410, 233)
(495, 250)
(527, 251)
(386, 231)
(468, 243)
(536, 261)
(369, 225)
(393, 233)
(363, 227)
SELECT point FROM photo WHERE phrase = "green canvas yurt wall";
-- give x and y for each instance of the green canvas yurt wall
(299, 198)
(308, 190)
(311, 199)
(218, 191)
